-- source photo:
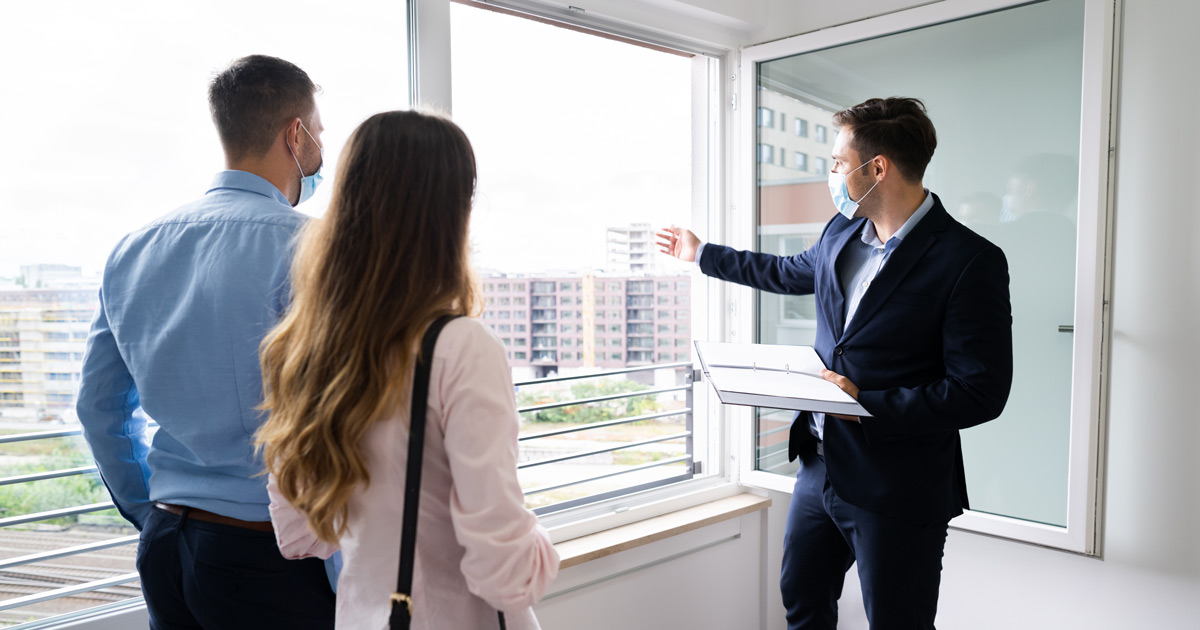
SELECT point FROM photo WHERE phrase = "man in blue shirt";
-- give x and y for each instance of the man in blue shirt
(913, 321)
(184, 303)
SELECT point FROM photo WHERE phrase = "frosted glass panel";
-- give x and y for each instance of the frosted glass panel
(1003, 90)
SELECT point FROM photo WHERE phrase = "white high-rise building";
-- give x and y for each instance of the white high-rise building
(631, 249)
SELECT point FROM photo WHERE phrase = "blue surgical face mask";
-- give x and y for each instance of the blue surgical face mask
(308, 183)
(841, 195)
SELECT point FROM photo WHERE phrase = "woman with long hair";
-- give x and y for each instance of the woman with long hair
(389, 257)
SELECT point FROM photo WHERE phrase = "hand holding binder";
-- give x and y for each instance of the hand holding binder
(783, 377)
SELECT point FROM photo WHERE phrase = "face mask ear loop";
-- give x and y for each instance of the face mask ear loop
(871, 188)
(293, 152)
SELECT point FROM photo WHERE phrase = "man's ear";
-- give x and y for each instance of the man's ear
(881, 166)
(291, 135)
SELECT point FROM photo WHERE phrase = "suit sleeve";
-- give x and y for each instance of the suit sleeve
(787, 275)
(977, 352)
(107, 402)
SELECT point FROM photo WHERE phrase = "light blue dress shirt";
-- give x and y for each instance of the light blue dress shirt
(862, 262)
(184, 303)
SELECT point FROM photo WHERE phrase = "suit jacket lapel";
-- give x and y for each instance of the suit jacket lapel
(899, 264)
(838, 303)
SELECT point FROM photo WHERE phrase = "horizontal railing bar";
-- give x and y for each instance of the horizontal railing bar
(42, 516)
(775, 467)
(623, 445)
(663, 462)
(764, 452)
(91, 612)
(39, 435)
(606, 423)
(53, 474)
(67, 551)
(774, 431)
(643, 368)
(46, 435)
(67, 591)
(588, 401)
(611, 494)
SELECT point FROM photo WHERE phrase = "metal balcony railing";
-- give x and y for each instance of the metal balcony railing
(583, 450)
(42, 577)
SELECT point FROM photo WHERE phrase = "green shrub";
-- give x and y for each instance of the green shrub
(591, 412)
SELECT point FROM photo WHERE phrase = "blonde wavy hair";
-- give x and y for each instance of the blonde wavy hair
(388, 258)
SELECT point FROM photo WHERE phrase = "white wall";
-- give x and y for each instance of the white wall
(707, 579)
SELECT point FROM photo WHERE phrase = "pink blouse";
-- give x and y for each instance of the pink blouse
(478, 548)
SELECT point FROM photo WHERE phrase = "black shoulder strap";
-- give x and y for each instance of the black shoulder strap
(402, 598)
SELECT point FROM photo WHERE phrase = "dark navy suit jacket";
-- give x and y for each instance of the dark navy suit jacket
(930, 349)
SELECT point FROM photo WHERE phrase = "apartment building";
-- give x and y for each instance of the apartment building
(552, 323)
(43, 333)
(631, 249)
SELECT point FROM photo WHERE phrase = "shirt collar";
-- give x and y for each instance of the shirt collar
(249, 182)
(871, 237)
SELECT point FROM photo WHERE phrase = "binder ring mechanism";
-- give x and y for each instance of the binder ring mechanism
(404, 599)
(787, 369)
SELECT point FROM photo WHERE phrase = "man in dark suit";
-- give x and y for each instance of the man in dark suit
(913, 320)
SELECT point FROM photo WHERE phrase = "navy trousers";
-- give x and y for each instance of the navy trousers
(222, 577)
(899, 561)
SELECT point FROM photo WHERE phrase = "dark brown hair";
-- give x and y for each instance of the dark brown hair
(388, 258)
(895, 127)
(254, 98)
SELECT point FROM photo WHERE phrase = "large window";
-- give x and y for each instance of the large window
(595, 422)
(107, 127)
(1032, 184)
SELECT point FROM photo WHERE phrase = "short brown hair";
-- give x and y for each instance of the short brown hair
(895, 127)
(253, 98)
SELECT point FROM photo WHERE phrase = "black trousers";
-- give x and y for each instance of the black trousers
(222, 577)
(899, 561)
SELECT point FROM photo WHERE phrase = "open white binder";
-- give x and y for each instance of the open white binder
(782, 377)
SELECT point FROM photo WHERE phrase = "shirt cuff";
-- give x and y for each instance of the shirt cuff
(700, 252)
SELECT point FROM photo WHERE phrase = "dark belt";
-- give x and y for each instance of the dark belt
(208, 517)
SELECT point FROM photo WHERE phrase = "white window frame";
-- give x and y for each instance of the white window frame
(430, 86)
(1082, 531)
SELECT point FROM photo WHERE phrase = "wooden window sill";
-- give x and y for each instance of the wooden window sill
(610, 541)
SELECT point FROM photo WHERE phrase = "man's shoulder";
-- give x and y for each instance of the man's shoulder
(263, 222)
(953, 232)
(232, 209)
(967, 239)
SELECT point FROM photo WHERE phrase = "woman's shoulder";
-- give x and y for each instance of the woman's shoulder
(465, 335)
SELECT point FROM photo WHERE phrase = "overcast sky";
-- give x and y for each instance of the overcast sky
(106, 125)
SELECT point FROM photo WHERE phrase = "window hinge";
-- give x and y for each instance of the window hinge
(733, 101)
(697, 468)
(697, 376)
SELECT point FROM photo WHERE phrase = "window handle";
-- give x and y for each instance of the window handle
(1066, 329)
